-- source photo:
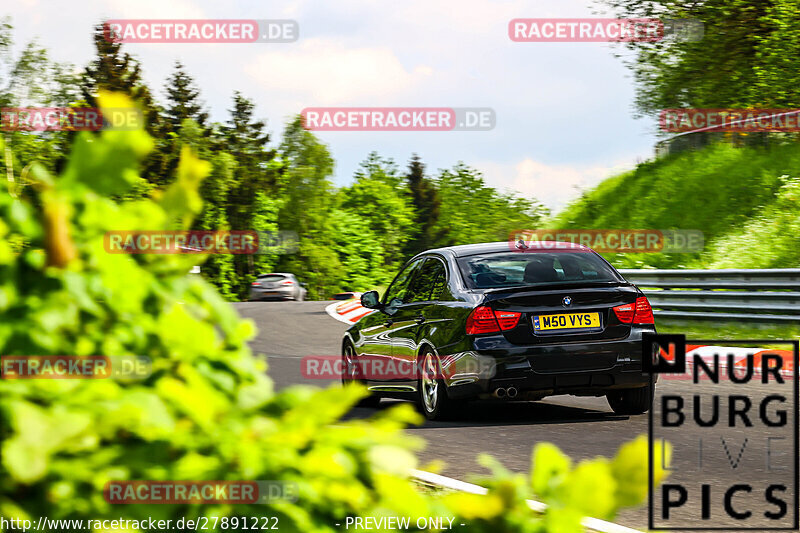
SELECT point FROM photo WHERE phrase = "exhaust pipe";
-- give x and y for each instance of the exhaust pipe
(511, 393)
(499, 392)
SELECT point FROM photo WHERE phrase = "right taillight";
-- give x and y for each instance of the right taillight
(644, 313)
(483, 319)
(638, 312)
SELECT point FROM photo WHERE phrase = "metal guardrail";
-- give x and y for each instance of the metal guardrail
(664, 146)
(758, 295)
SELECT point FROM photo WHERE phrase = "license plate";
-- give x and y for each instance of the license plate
(566, 321)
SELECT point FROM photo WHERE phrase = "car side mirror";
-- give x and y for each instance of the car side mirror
(371, 300)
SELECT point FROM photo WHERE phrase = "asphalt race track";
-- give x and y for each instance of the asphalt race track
(581, 427)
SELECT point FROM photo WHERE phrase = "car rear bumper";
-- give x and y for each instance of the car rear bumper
(264, 294)
(532, 385)
(572, 368)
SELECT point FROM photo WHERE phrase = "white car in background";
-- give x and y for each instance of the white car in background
(277, 286)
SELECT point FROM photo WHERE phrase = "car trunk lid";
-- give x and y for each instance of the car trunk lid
(558, 313)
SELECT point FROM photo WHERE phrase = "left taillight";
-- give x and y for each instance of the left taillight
(256, 283)
(483, 319)
(638, 312)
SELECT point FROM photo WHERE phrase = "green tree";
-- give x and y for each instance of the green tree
(115, 70)
(183, 109)
(118, 71)
(379, 197)
(427, 203)
(473, 212)
(32, 79)
(748, 55)
(359, 251)
(183, 99)
(245, 139)
(380, 169)
(219, 269)
(308, 196)
(241, 192)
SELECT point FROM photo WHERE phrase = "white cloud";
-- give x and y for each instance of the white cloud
(158, 9)
(326, 72)
(553, 185)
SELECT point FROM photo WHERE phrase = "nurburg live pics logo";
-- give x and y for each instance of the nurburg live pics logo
(730, 413)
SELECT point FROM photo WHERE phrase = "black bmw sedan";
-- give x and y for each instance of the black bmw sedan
(498, 321)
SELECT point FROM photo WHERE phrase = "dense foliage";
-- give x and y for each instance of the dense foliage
(748, 56)
(208, 411)
(744, 200)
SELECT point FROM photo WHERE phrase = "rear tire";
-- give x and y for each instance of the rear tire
(432, 396)
(350, 376)
(631, 401)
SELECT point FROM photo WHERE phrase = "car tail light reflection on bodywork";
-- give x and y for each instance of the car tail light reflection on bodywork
(638, 312)
(484, 319)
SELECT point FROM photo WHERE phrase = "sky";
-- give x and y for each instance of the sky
(564, 111)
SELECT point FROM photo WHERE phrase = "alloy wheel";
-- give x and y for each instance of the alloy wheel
(348, 364)
(430, 383)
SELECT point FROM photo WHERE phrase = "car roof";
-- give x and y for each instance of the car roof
(275, 274)
(504, 246)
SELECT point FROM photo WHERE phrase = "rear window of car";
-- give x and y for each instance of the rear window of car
(271, 277)
(490, 271)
